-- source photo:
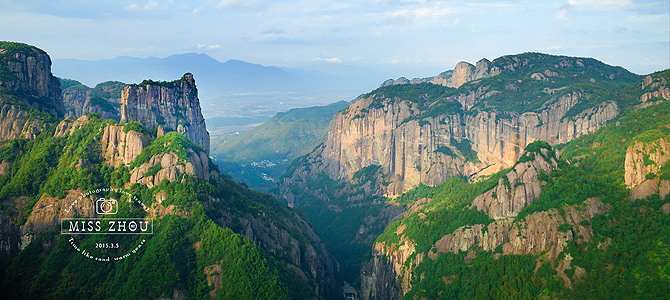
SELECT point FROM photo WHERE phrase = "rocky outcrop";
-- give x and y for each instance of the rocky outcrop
(171, 168)
(379, 279)
(15, 123)
(537, 233)
(27, 84)
(410, 151)
(462, 73)
(104, 99)
(173, 105)
(518, 188)
(28, 70)
(401, 80)
(642, 165)
(120, 147)
(387, 275)
(49, 210)
(659, 87)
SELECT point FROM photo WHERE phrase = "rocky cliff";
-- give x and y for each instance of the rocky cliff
(104, 99)
(519, 187)
(471, 122)
(173, 105)
(416, 143)
(643, 164)
(462, 73)
(29, 93)
(515, 191)
(571, 220)
(156, 160)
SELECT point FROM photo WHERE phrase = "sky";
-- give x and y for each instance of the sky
(413, 36)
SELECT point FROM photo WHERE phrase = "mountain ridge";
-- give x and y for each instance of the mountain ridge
(400, 137)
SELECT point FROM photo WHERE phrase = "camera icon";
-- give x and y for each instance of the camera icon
(106, 206)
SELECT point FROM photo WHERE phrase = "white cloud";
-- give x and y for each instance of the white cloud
(149, 6)
(644, 18)
(420, 12)
(405, 60)
(217, 46)
(490, 5)
(237, 4)
(655, 61)
(200, 46)
(601, 4)
(327, 59)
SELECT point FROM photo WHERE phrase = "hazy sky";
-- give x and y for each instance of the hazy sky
(405, 33)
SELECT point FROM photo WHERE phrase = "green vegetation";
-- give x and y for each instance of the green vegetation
(338, 222)
(446, 150)
(632, 264)
(280, 140)
(466, 149)
(485, 277)
(173, 83)
(103, 104)
(67, 83)
(11, 49)
(180, 253)
(416, 93)
(171, 142)
(445, 211)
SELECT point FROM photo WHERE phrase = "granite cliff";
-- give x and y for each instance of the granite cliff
(206, 224)
(173, 105)
(407, 136)
(472, 122)
(559, 213)
(104, 98)
(29, 93)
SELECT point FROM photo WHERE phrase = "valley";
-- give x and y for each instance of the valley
(529, 176)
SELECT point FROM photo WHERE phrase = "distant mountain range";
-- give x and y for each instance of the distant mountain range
(213, 76)
(234, 91)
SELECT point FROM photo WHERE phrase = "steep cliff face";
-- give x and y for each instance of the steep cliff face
(644, 161)
(29, 93)
(28, 70)
(473, 121)
(515, 191)
(519, 187)
(173, 105)
(411, 150)
(104, 99)
(138, 158)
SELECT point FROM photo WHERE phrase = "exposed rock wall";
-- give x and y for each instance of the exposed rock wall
(80, 100)
(462, 73)
(408, 150)
(119, 147)
(15, 123)
(517, 189)
(31, 74)
(171, 167)
(174, 105)
(537, 234)
(379, 279)
(642, 159)
(26, 71)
